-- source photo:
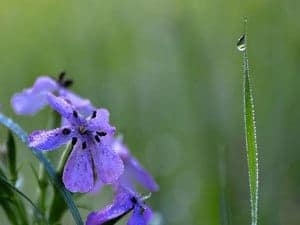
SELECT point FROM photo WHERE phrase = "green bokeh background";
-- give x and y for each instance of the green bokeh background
(171, 76)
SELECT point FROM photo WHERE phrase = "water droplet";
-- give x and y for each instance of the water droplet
(241, 44)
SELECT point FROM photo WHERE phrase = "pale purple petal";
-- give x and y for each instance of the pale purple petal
(122, 205)
(84, 106)
(133, 170)
(141, 215)
(49, 139)
(78, 173)
(108, 164)
(44, 83)
(63, 107)
(136, 171)
(27, 103)
(31, 100)
(97, 187)
(100, 122)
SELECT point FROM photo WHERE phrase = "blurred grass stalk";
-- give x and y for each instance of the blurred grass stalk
(250, 129)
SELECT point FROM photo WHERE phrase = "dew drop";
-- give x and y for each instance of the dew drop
(241, 43)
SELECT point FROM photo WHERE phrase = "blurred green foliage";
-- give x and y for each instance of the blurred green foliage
(171, 76)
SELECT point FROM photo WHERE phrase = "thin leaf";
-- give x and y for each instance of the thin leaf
(4, 181)
(250, 133)
(11, 156)
(9, 211)
(16, 129)
(11, 204)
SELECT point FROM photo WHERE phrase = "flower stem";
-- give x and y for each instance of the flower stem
(58, 206)
(53, 122)
(43, 186)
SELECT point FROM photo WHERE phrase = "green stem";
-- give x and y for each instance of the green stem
(58, 206)
(43, 186)
(53, 122)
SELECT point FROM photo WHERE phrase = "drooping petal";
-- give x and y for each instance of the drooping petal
(64, 108)
(133, 170)
(121, 206)
(137, 172)
(78, 173)
(108, 164)
(99, 121)
(49, 139)
(141, 215)
(84, 106)
(31, 100)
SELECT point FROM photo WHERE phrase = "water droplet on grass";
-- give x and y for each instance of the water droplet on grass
(241, 44)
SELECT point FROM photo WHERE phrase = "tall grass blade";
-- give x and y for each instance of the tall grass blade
(250, 130)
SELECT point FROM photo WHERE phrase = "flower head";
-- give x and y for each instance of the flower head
(133, 170)
(124, 202)
(92, 157)
(31, 100)
(133, 173)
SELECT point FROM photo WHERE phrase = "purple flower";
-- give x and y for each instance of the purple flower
(31, 100)
(133, 170)
(92, 157)
(124, 202)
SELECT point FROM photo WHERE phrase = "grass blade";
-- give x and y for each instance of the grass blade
(11, 153)
(16, 129)
(4, 181)
(250, 130)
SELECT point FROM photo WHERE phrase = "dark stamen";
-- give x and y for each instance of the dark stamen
(75, 114)
(67, 83)
(97, 138)
(66, 131)
(101, 133)
(133, 200)
(61, 76)
(94, 114)
(74, 140)
(83, 145)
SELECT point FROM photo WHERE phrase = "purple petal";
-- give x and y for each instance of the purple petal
(48, 140)
(84, 106)
(133, 170)
(27, 103)
(137, 172)
(99, 121)
(122, 204)
(141, 215)
(97, 187)
(44, 83)
(78, 172)
(31, 100)
(108, 164)
(63, 107)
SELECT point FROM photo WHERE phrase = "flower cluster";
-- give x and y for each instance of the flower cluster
(97, 156)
